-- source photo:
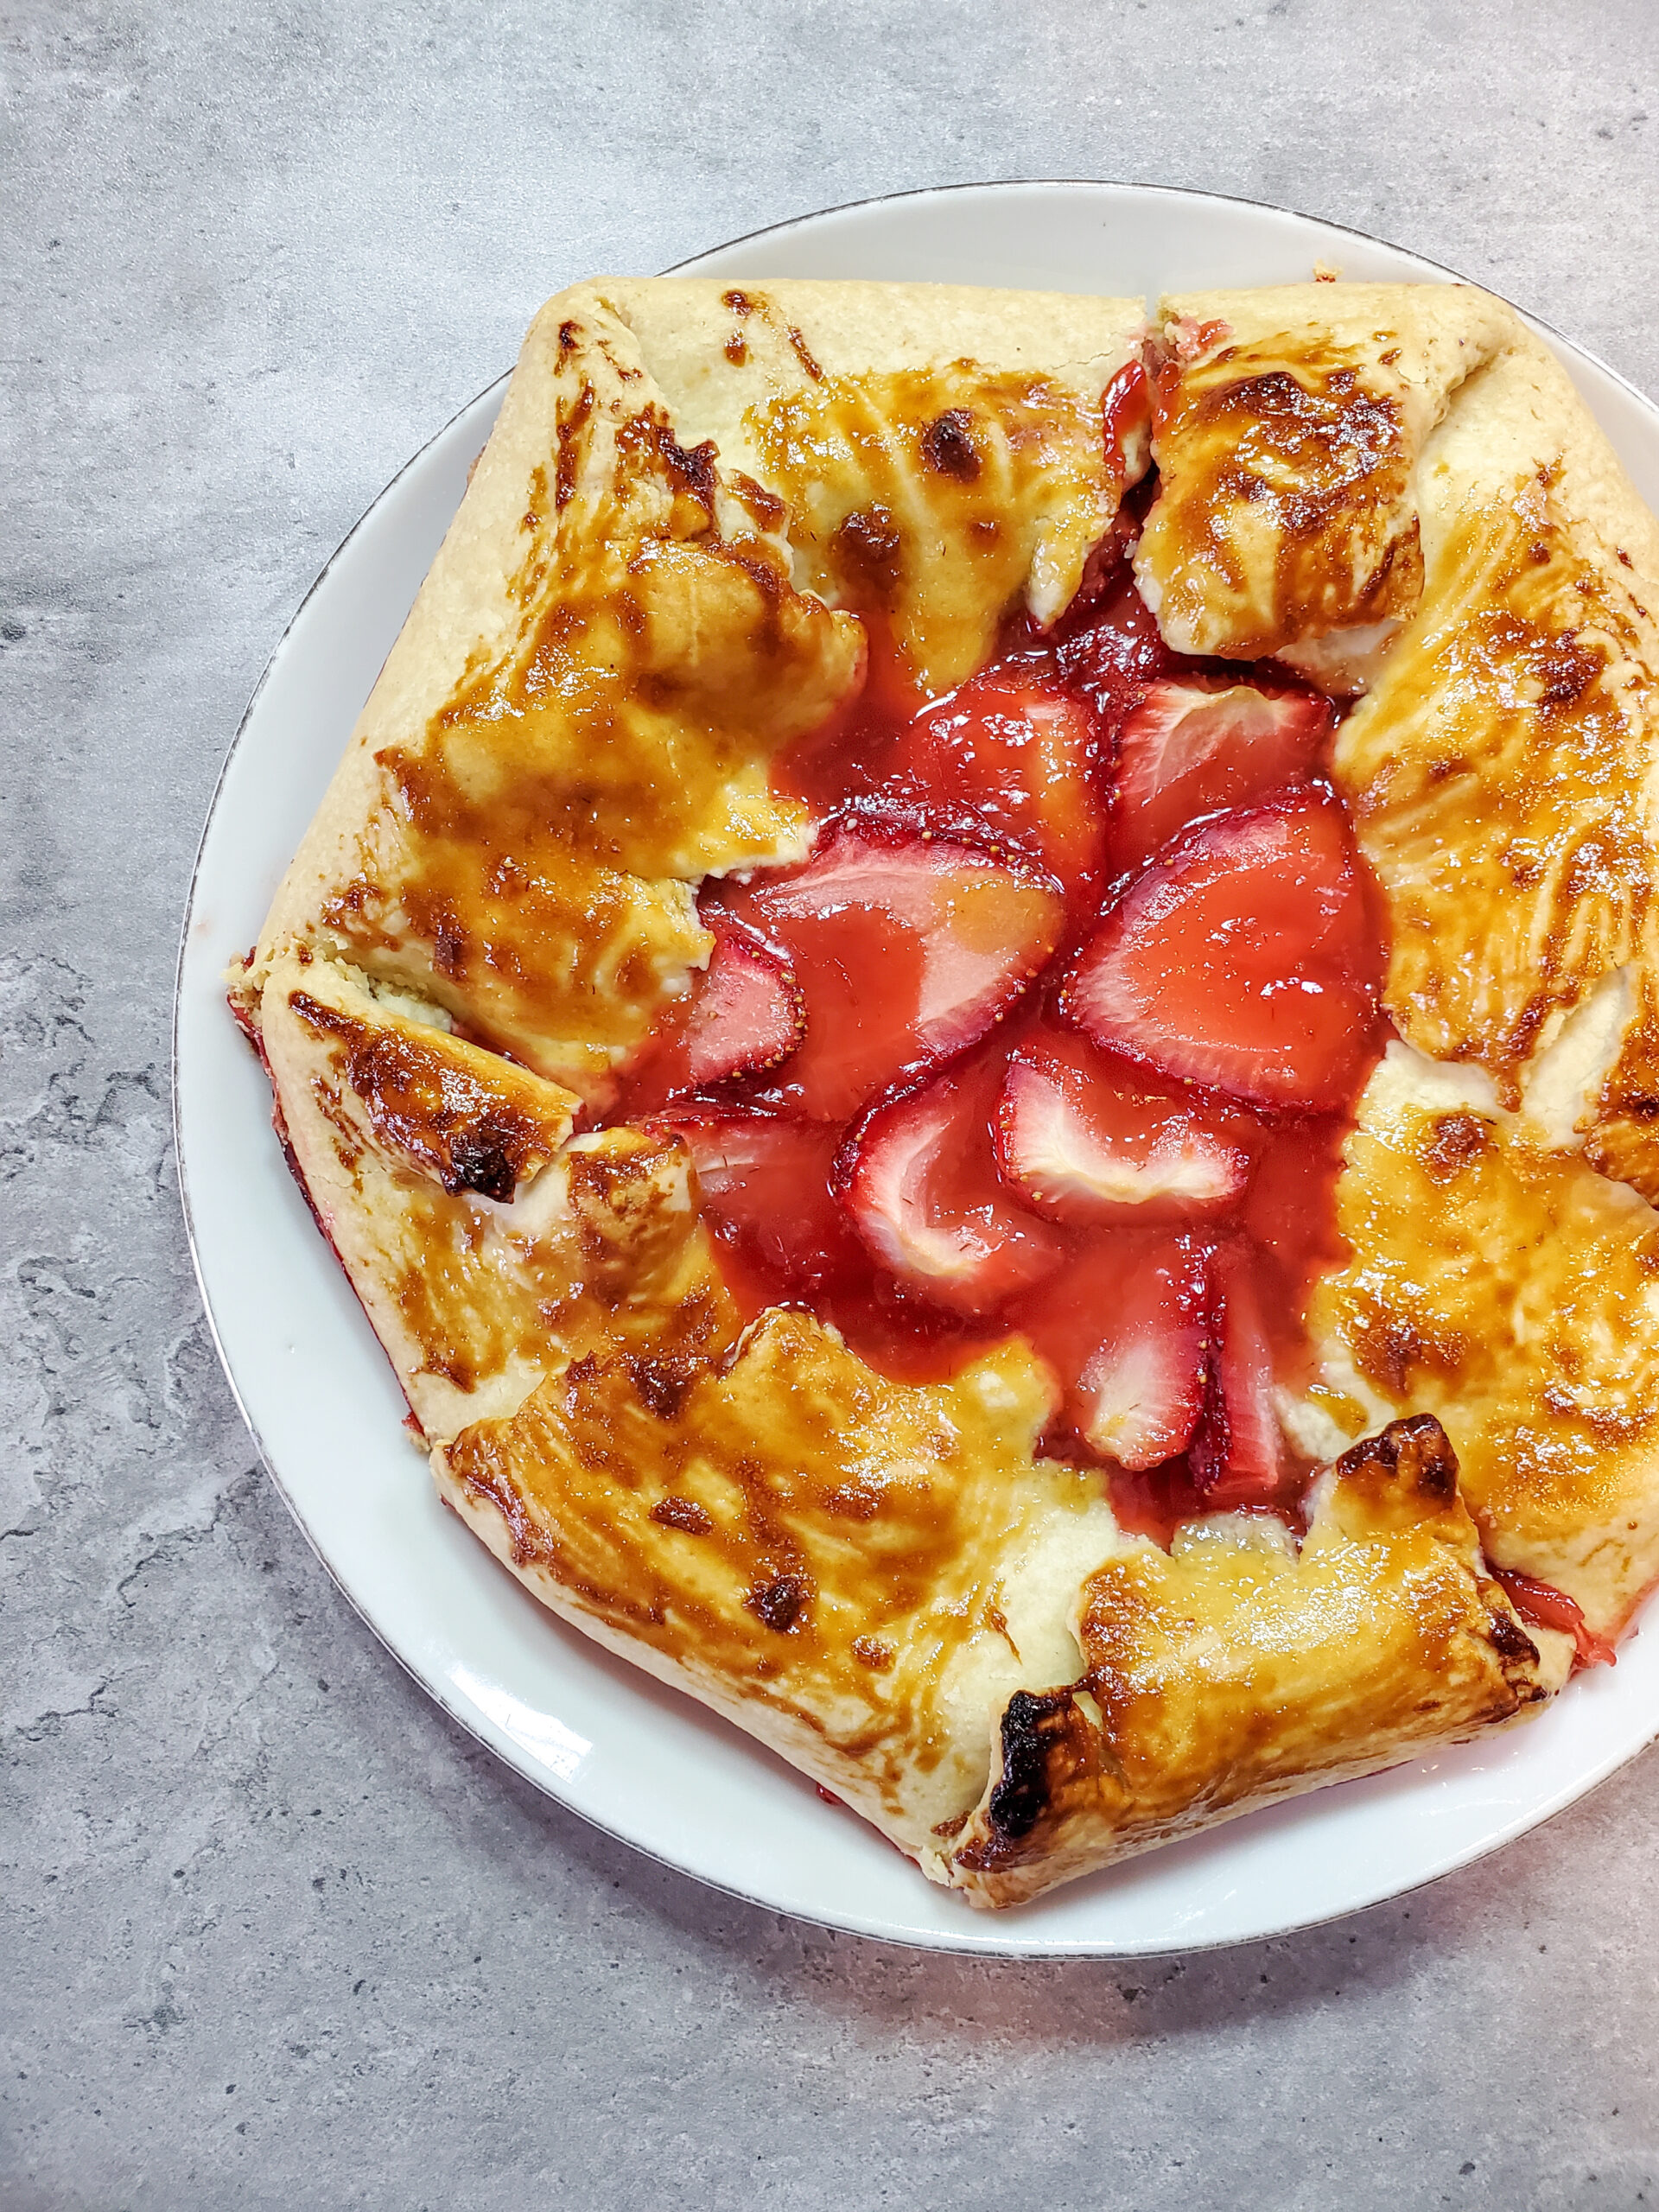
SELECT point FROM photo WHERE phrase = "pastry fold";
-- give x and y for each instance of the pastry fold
(646, 592)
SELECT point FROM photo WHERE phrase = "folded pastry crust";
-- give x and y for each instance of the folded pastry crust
(696, 498)
(575, 725)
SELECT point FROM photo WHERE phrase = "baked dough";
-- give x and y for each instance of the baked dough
(693, 495)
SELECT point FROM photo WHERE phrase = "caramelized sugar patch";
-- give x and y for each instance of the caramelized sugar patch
(1513, 1293)
(1283, 466)
(799, 1526)
(532, 865)
(1496, 780)
(891, 480)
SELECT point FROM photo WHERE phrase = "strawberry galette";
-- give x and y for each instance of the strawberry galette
(978, 1014)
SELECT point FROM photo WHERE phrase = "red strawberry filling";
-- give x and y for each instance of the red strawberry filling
(1020, 755)
(1238, 1453)
(1126, 1325)
(1012, 759)
(745, 1015)
(765, 1184)
(1541, 1605)
(940, 1086)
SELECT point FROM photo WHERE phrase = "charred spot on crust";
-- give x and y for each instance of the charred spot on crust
(780, 1602)
(1510, 1641)
(948, 446)
(683, 1514)
(660, 1385)
(1031, 1723)
(1416, 1450)
(1458, 1138)
(480, 1160)
(868, 551)
(437, 1114)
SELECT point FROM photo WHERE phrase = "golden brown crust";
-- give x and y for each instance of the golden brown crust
(937, 449)
(475, 1291)
(1230, 1673)
(1507, 1288)
(1499, 772)
(1622, 1124)
(1287, 426)
(837, 1561)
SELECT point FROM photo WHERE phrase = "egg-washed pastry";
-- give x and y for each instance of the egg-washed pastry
(977, 1012)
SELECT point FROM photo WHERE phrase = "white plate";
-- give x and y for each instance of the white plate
(634, 1758)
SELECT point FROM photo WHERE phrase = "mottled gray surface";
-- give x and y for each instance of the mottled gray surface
(274, 1933)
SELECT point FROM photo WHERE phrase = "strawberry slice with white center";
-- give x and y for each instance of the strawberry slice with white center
(1020, 756)
(1124, 1327)
(1242, 960)
(764, 1189)
(908, 949)
(1238, 1453)
(1138, 1399)
(748, 1015)
(1191, 749)
(1087, 1140)
(918, 1181)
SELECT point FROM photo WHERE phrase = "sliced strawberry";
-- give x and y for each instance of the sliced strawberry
(919, 1183)
(749, 1014)
(746, 1014)
(1122, 1326)
(1137, 1400)
(764, 1189)
(1238, 1454)
(1087, 1138)
(1018, 755)
(908, 949)
(1126, 417)
(1190, 749)
(1242, 960)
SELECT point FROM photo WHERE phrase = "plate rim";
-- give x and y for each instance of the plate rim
(963, 1943)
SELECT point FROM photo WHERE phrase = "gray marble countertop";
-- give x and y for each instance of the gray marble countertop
(275, 1932)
